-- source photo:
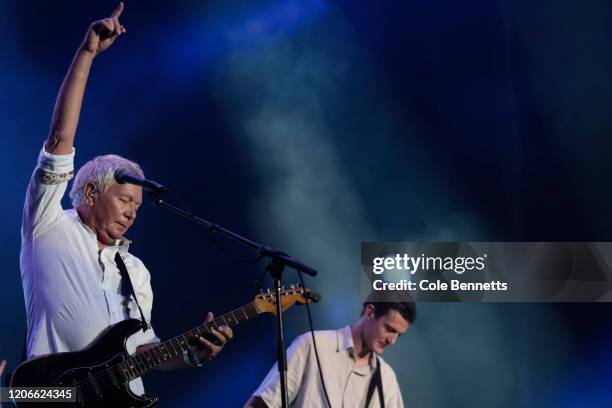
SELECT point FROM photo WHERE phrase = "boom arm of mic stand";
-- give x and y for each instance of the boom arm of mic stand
(263, 250)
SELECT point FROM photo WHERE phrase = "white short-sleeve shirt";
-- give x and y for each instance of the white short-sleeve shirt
(346, 385)
(72, 289)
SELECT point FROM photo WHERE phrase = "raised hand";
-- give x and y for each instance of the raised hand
(102, 33)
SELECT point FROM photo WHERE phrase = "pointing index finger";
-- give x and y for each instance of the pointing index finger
(118, 10)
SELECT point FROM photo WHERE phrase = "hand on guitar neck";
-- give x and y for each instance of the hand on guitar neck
(210, 345)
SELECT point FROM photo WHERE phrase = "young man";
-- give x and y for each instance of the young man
(349, 360)
(69, 259)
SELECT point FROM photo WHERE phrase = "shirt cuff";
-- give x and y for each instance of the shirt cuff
(56, 163)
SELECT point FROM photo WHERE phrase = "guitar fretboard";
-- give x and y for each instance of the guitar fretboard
(137, 365)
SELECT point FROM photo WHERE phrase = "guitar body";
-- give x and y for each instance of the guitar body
(92, 370)
(100, 373)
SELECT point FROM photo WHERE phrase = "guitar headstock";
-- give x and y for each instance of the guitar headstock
(266, 302)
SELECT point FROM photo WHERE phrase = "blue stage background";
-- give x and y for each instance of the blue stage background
(313, 125)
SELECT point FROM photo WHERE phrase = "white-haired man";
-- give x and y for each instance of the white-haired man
(71, 279)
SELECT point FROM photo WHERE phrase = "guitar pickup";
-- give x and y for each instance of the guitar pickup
(113, 376)
(95, 384)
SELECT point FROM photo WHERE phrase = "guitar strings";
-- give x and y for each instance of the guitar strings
(88, 383)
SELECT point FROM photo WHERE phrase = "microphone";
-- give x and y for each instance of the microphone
(123, 176)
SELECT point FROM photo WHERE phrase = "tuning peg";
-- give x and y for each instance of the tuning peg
(269, 291)
(292, 286)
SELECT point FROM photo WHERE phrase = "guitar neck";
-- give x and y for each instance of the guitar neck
(137, 365)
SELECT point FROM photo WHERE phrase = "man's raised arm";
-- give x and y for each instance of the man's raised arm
(100, 35)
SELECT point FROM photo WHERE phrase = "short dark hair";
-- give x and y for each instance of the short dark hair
(406, 308)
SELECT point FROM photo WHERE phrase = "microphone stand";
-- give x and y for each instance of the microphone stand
(276, 266)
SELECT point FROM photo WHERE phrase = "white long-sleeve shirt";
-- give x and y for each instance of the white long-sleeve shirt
(72, 289)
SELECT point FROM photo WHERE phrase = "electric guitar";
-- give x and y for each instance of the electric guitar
(99, 374)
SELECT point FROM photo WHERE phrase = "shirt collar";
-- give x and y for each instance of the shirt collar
(123, 244)
(344, 338)
(344, 342)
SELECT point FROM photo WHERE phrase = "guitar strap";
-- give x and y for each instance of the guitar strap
(376, 382)
(128, 288)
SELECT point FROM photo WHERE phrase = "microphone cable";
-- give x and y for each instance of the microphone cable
(314, 343)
